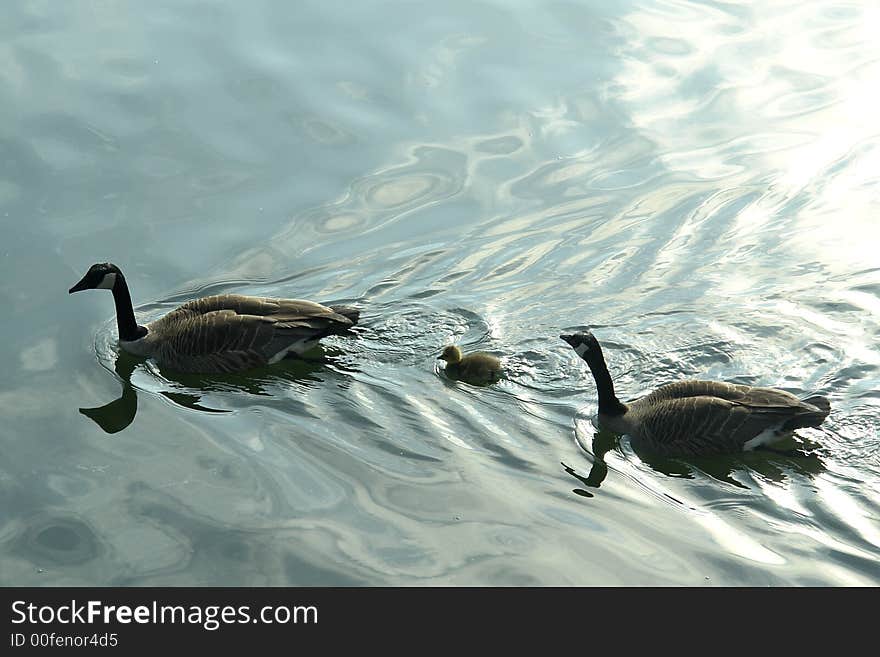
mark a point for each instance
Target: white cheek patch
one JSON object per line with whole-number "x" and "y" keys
{"x": 581, "y": 349}
{"x": 107, "y": 282}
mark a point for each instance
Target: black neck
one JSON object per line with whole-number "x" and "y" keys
{"x": 125, "y": 321}
{"x": 609, "y": 404}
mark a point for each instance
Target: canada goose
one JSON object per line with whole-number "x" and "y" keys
{"x": 698, "y": 417}
{"x": 477, "y": 368}
{"x": 222, "y": 333}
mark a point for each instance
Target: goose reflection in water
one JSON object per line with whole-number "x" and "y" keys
{"x": 603, "y": 442}
{"x": 116, "y": 415}
{"x": 772, "y": 464}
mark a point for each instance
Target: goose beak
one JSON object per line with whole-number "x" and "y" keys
{"x": 568, "y": 338}
{"x": 82, "y": 285}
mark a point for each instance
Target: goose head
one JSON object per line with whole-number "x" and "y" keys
{"x": 451, "y": 355}
{"x": 587, "y": 347}
{"x": 584, "y": 343}
{"x": 100, "y": 276}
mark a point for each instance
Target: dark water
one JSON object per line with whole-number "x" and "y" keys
{"x": 696, "y": 181}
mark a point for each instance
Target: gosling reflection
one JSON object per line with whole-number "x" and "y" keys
{"x": 305, "y": 371}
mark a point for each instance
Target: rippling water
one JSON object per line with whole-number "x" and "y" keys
{"x": 696, "y": 181}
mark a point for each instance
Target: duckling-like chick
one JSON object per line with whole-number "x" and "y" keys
{"x": 477, "y": 368}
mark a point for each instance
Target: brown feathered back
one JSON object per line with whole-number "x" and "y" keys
{"x": 704, "y": 417}
{"x": 230, "y": 332}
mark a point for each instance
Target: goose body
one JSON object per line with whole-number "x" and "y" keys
{"x": 478, "y": 368}
{"x": 221, "y": 333}
{"x": 699, "y": 417}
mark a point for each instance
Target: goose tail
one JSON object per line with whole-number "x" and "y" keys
{"x": 819, "y": 402}
{"x": 813, "y": 411}
{"x": 349, "y": 312}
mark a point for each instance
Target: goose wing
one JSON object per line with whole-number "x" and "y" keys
{"x": 702, "y": 424}
{"x": 742, "y": 394}
{"x": 226, "y": 340}
{"x": 696, "y": 388}
{"x": 256, "y": 306}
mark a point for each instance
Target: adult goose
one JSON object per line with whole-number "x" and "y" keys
{"x": 698, "y": 417}
{"x": 221, "y": 333}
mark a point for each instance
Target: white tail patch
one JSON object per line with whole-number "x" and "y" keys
{"x": 298, "y": 347}
{"x": 766, "y": 437}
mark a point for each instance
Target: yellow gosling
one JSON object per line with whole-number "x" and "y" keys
{"x": 477, "y": 368}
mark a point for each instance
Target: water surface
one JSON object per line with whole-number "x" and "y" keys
{"x": 696, "y": 181}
